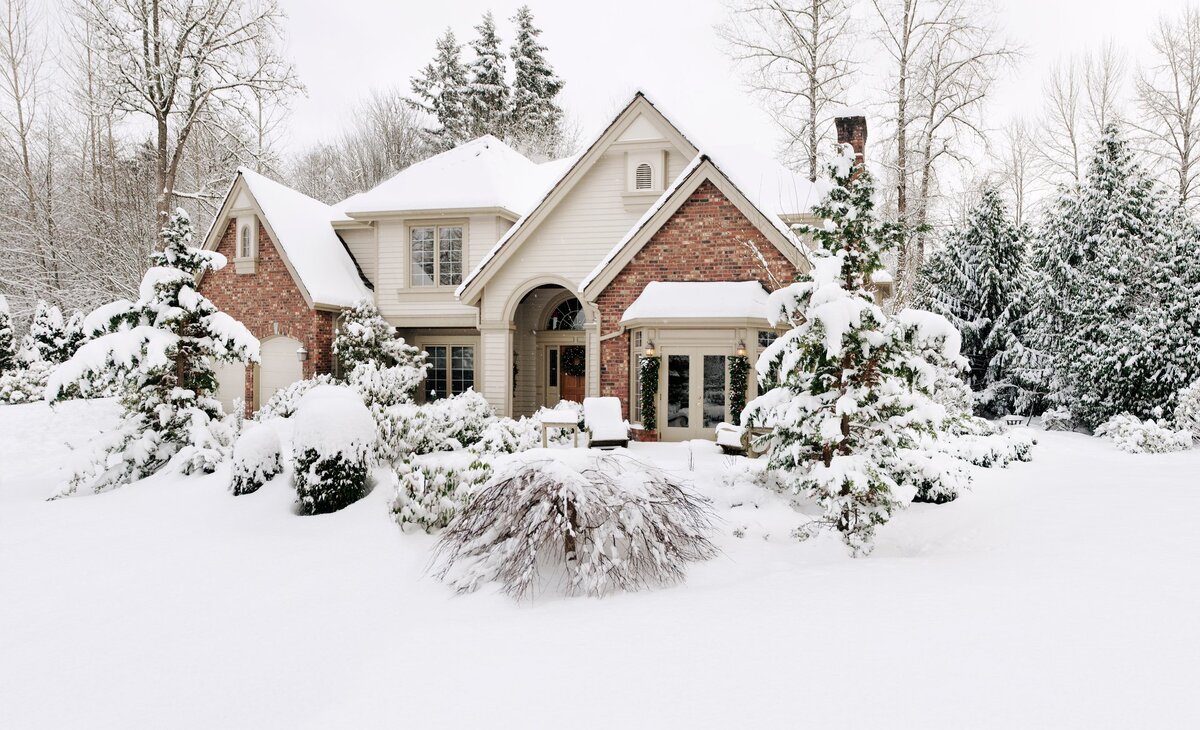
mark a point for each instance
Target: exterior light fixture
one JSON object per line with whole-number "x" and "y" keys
{"x": 650, "y": 348}
{"x": 302, "y": 353}
{"x": 741, "y": 349}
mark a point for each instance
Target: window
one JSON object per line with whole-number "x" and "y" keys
{"x": 244, "y": 242}
{"x": 552, "y": 367}
{"x": 766, "y": 337}
{"x": 451, "y": 370}
{"x": 566, "y": 316}
{"x": 643, "y": 177}
{"x": 435, "y": 253}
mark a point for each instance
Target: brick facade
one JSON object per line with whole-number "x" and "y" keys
{"x": 705, "y": 240}
{"x": 269, "y": 303}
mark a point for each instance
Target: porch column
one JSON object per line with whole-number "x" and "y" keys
{"x": 495, "y": 369}
{"x": 591, "y": 332}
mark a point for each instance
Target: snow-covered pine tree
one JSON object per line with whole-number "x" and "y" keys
{"x": 8, "y": 343}
{"x": 73, "y": 336}
{"x": 160, "y": 348}
{"x": 487, "y": 90}
{"x": 440, "y": 90}
{"x": 365, "y": 336}
{"x": 846, "y": 391}
{"x": 972, "y": 280}
{"x": 47, "y": 333}
{"x": 535, "y": 118}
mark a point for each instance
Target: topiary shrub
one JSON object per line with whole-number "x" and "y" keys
{"x": 256, "y": 458}
{"x": 333, "y": 442}
{"x": 604, "y": 522}
{"x": 430, "y": 496}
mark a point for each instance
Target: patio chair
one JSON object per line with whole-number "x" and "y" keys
{"x": 602, "y": 419}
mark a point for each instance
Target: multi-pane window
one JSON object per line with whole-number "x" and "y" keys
{"x": 766, "y": 337}
{"x": 566, "y": 316}
{"x": 436, "y": 255}
{"x": 451, "y": 370}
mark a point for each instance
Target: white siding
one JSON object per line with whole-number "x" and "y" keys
{"x": 361, "y": 242}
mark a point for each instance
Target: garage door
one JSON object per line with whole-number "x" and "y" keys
{"x": 279, "y": 367}
{"x": 231, "y": 383}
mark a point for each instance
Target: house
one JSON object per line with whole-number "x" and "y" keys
{"x": 530, "y": 282}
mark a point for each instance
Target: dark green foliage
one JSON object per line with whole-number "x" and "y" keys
{"x": 487, "y": 91}
{"x": 440, "y": 90}
{"x": 648, "y": 368}
{"x": 739, "y": 368}
{"x": 328, "y": 483}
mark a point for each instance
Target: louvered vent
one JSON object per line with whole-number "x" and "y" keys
{"x": 643, "y": 177}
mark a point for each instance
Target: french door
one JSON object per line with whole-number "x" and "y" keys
{"x": 693, "y": 394}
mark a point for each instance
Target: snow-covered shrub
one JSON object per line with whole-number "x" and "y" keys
{"x": 256, "y": 458}
{"x": 990, "y": 449}
{"x": 609, "y": 521}
{"x": 430, "y": 496}
{"x": 8, "y": 342}
{"x": 1136, "y": 436}
{"x": 160, "y": 349}
{"x": 383, "y": 385}
{"x": 461, "y": 418}
{"x": 366, "y": 337}
{"x": 446, "y": 424}
{"x": 1187, "y": 409}
{"x": 1058, "y": 419}
{"x": 25, "y": 385}
{"x": 285, "y": 400}
{"x": 333, "y": 441}
{"x": 508, "y": 436}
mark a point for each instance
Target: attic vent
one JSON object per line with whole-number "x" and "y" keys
{"x": 643, "y": 177}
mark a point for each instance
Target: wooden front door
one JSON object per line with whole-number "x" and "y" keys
{"x": 574, "y": 364}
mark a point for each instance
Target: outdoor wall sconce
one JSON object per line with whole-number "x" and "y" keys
{"x": 741, "y": 349}
{"x": 302, "y": 353}
{"x": 650, "y": 348}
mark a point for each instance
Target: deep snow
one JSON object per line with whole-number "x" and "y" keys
{"x": 1057, "y": 594}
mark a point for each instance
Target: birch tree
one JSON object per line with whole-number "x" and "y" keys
{"x": 797, "y": 56}
{"x": 176, "y": 62}
{"x": 1169, "y": 96}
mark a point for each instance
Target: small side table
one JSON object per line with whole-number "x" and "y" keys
{"x": 567, "y": 420}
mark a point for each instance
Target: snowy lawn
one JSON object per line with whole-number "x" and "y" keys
{"x": 1061, "y": 593}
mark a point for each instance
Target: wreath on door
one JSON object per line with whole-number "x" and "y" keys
{"x": 574, "y": 361}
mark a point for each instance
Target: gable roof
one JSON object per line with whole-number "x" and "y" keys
{"x": 483, "y": 173}
{"x": 303, "y": 232}
{"x": 575, "y": 168}
{"x": 764, "y": 185}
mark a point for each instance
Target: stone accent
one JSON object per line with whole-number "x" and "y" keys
{"x": 705, "y": 240}
{"x": 269, "y": 303}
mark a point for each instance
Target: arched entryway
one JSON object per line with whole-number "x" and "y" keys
{"x": 549, "y": 349}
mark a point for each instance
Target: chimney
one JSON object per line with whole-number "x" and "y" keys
{"x": 852, "y": 130}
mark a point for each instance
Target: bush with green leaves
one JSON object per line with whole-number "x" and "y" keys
{"x": 1187, "y": 409}
{"x": 508, "y": 436}
{"x": 24, "y": 385}
{"x": 364, "y": 336}
{"x": 256, "y": 458}
{"x": 430, "y": 496}
{"x": 1136, "y": 436}
{"x": 333, "y": 443}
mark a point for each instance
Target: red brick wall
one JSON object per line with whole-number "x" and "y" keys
{"x": 269, "y": 303}
{"x": 705, "y": 240}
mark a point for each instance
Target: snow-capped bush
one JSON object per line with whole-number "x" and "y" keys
{"x": 609, "y": 521}
{"x": 1136, "y": 436}
{"x": 385, "y": 385}
{"x": 256, "y": 458}
{"x": 25, "y": 385}
{"x": 446, "y": 424}
{"x": 430, "y": 496}
{"x": 1187, "y": 409}
{"x": 285, "y": 400}
{"x": 508, "y": 436}
{"x": 366, "y": 337}
{"x": 8, "y": 342}
{"x": 990, "y": 449}
{"x": 1058, "y": 419}
{"x": 332, "y": 446}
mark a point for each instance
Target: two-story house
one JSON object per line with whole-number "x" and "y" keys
{"x": 530, "y": 282}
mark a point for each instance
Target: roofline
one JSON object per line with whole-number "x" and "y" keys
{"x": 471, "y": 289}
{"x": 702, "y": 168}
{"x": 367, "y": 215}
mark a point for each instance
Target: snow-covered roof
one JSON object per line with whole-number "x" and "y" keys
{"x": 303, "y": 229}
{"x": 482, "y": 173}
{"x": 699, "y": 300}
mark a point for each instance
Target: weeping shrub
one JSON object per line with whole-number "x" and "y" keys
{"x": 607, "y": 522}
{"x": 256, "y": 458}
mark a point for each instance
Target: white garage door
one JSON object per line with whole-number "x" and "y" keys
{"x": 231, "y": 383}
{"x": 279, "y": 367}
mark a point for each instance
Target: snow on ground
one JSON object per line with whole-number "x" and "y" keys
{"x": 1057, "y": 594}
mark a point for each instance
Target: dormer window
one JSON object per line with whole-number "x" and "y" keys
{"x": 245, "y": 250}
{"x": 645, "y": 171}
{"x": 643, "y": 177}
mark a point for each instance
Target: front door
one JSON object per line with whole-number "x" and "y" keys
{"x": 565, "y": 369}
{"x": 694, "y": 394}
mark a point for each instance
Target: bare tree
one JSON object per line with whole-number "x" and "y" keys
{"x": 1104, "y": 81}
{"x": 1016, "y": 164}
{"x": 797, "y": 55}
{"x": 945, "y": 56}
{"x": 1169, "y": 95}
{"x": 1082, "y": 96}
{"x": 177, "y": 61}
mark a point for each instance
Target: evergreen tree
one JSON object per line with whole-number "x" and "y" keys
{"x": 441, "y": 91}
{"x": 47, "y": 336}
{"x": 535, "y": 118}
{"x": 366, "y": 337}
{"x": 487, "y": 93}
{"x": 8, "y": 344}
{"x": 847, "y": 391}
{"x": 973, "y": 281}
{"x": 161, "y": 349}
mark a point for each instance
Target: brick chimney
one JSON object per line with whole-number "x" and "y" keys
{"x": 852, "y": 130}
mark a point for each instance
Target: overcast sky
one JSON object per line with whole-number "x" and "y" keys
{"x": 668, "y": 48}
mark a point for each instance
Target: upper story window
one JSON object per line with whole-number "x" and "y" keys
{"x": 436, "y": 255}
{"x": 566, "y": 316}
{"x": 643, "y": 177}
{"x": 246, "y": 248}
